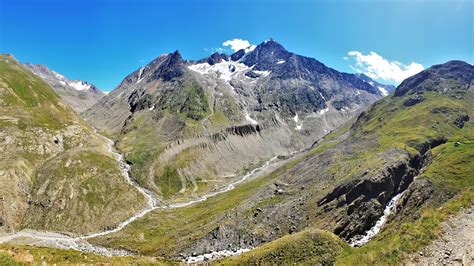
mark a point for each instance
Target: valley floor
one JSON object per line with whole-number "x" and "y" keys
{"x": 455, "y": 246}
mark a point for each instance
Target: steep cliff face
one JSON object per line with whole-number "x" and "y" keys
{"x": 189, "y": 127}
{"x": 56, "y": 173}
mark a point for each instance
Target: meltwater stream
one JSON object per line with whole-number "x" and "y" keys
{"x": 64, "y": 241}
{"x": 359, "y": 241}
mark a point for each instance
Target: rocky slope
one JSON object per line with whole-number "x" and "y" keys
{"x": 384, "y": 89}
{"x": 190, "y": 127}
{"x": 455, "y": 245}
{"x": 56, "y": 173}
{"x": 78, "y": 94}
{"x": 415, "y": 145}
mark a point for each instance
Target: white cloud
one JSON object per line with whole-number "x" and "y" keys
{"x": 218, "y": 49}
{"x": 237, "y": 44}
{"x": 377, "y": 67}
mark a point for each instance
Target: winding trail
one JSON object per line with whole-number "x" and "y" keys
{"x": 65, "y": 241}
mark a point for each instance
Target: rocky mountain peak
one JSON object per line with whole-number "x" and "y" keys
{"x": 266, "y": 55}
{"x": 439, "y": 78}
{"x": 166, "y": 67}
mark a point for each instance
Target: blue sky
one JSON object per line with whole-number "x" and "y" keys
{"x": 102, "y": 41}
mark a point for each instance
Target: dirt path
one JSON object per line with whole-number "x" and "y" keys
{"x": 455, "y": 246}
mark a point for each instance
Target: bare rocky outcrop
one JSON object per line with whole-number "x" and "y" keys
{"x": 365, "y": 199}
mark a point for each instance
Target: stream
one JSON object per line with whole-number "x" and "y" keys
{"x": 64, "y": 241}
{"x": 361, "y": 240}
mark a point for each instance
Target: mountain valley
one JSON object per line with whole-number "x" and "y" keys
{"x": 261, "y": 156}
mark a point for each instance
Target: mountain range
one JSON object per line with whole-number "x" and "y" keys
{"x": 261, "y": 156}
{"x": 190, "y": 127}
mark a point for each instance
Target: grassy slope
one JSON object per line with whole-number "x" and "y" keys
{"x": 396, "y": 126}
{"x": 27, "y": 255}
{"x": 184, "y": 112}
{"x": 450, "y": 171}
{"x": 22, "y": 91}
{"x": 310, "y": 246}
{"x": 32, "y": 115}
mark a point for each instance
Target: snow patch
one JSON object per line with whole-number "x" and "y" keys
{"x": 140, "y": 73}
{"x": 262, "y": 73}
{"x": 323, "y": 111}
{"x": 295, "y": 118}
{"x": 215, "y": 255}
{"x": 250, "y": 120}
{"x": 323, "y": 97}
{"x": 222, "y": 69}
{"x": 58, "y": 76}
{"x": 79, "y": 85}
{"x": 299, "y": 126}
{"x": 383, "y": 90}
{"x": 281, "y": 62}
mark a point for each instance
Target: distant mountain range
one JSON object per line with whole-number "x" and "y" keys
{"x": 80, "y": 95}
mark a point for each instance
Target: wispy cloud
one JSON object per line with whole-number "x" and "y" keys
{"x": 377, "y": 67}
{"x": 218, "y": 49}
{"x": 237, "y": 44}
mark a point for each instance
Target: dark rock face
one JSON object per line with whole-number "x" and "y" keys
{"x": 444, "y": 78}
{"x": 417, "y": 193}
{"x": 266, "y": 55}
{"x": 140, "y": 102}
{"x": 216, "y": 58}
{"x": 171, "y": 67}
{"x": 413, "y": 100}
{"x": 460, "y": 120}
{"x": 364, "y": 199}
{"x": 364, "y": 210}
{"x": 237, "y": 55}
{"x": 252, "y": 74}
